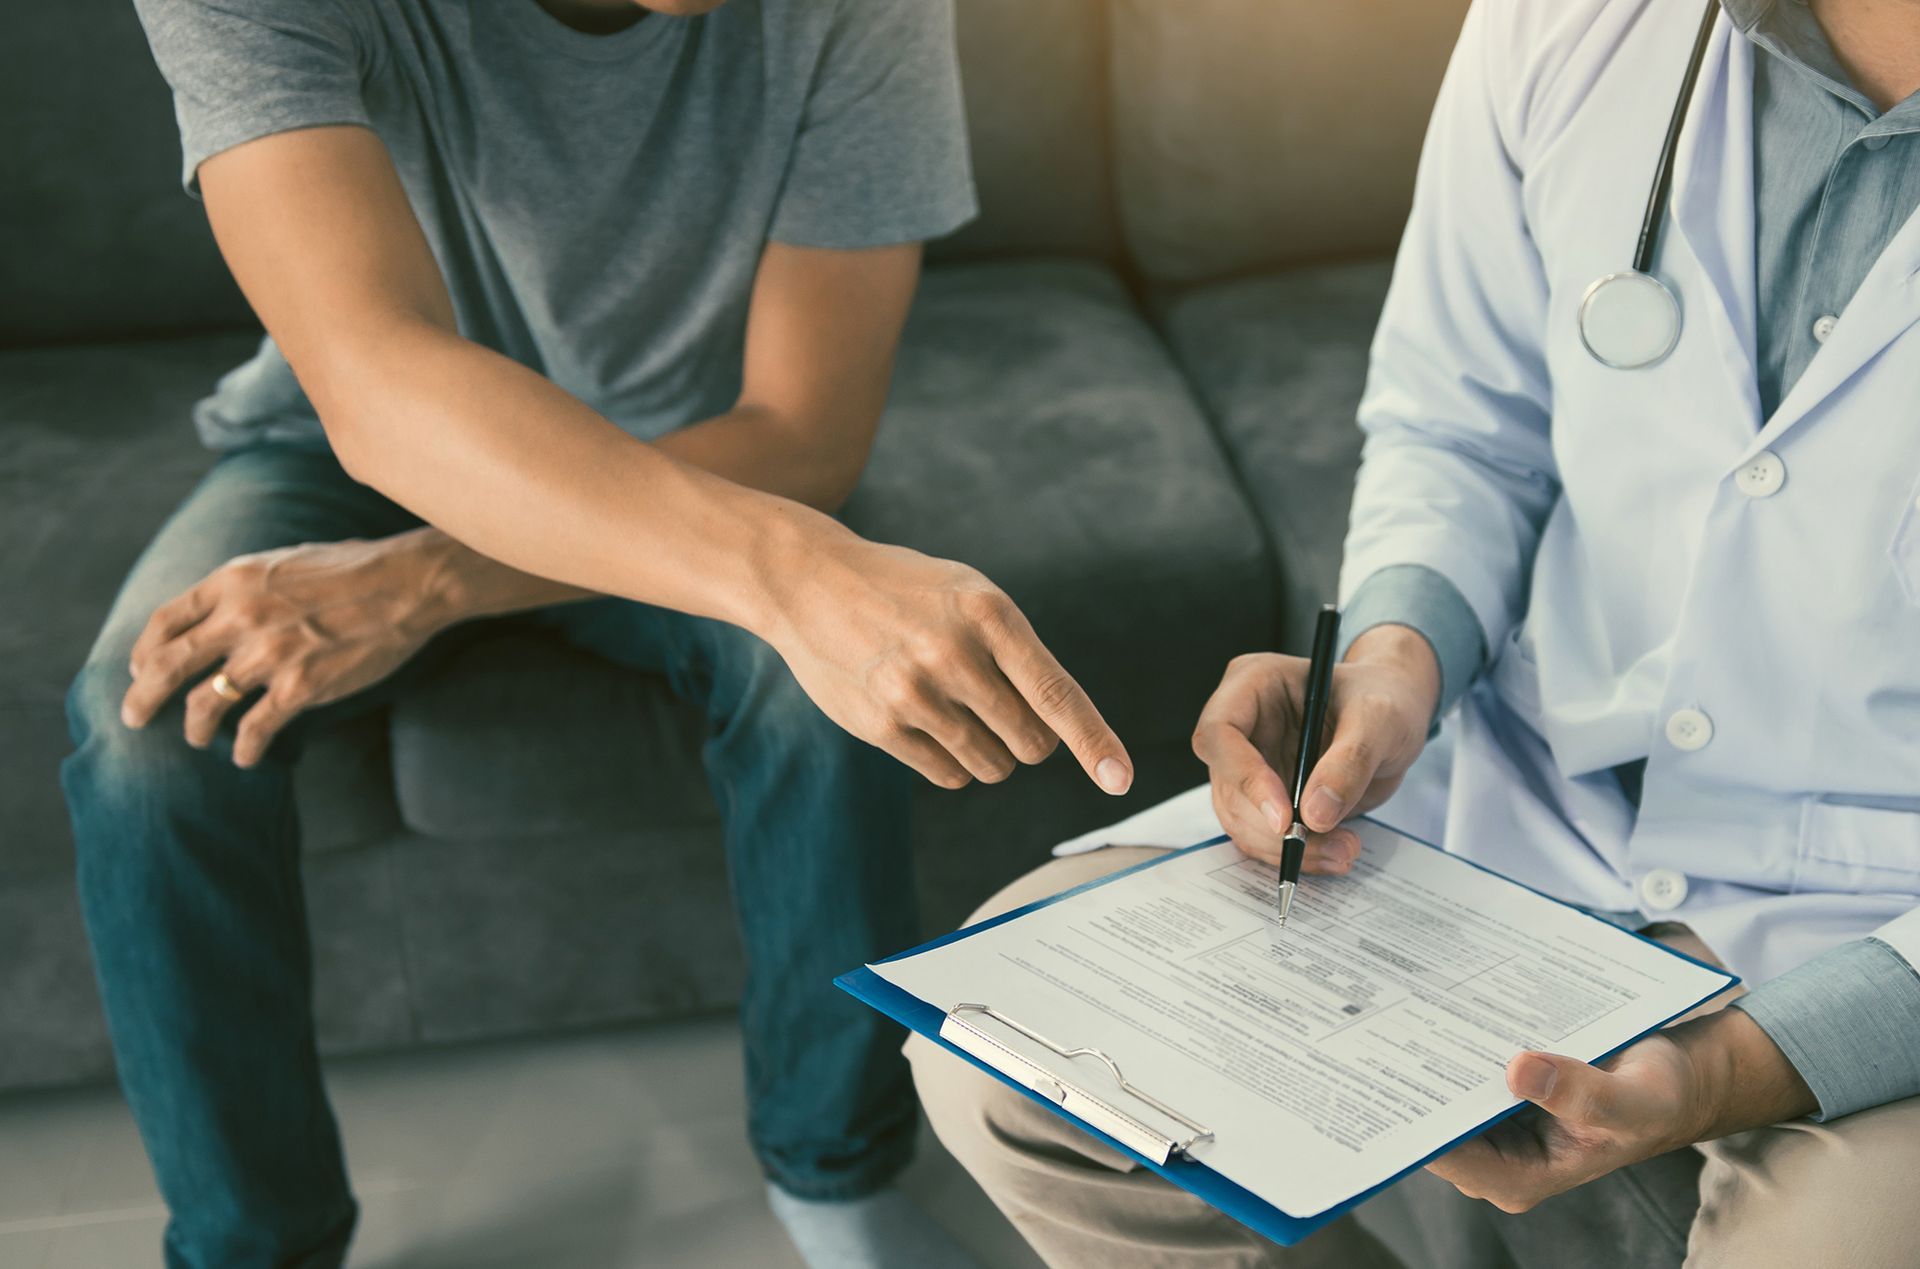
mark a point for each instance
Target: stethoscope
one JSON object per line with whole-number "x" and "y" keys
{"x": 1630, "y": 319}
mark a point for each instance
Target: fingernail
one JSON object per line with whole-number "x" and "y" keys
{"x": 1275, "y": 821}
{"x": 1113, "y": 775}
{"x": 1533, "y": 1079}
{"x": 1322, "y": 808}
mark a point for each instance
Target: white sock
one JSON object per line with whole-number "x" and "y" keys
{"x": 880, "y": 1231}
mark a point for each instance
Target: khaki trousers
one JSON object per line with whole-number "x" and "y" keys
{"x": 1798, "y": 1194}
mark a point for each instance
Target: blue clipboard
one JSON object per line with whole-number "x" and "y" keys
{"x": 1196, "y": 1178}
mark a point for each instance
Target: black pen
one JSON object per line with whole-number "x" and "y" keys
{"x": 1293, "y": 849}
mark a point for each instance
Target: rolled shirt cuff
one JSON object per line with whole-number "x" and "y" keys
{"x": 1416, "y": 596}
{"x": 1849, "y": 1021}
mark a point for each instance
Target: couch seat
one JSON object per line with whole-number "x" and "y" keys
{"x": 1280, "y": 360}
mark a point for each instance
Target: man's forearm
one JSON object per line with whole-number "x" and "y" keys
{"x": 746, "y": 446}
{"x": 757, "y": 448}
{"x": 457, "y": 583}
{"x": 520, "y": 472}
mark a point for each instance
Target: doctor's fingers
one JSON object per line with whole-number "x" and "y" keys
{"x": 1245, "y": 788}
{"x": 1254, "y": 806}
{"x": 1363, "y": 763}
{"x": 1480, "y": 1170}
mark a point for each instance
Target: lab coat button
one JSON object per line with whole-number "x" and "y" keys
{"x": 1689, "y": 729}
{"x": 1823, "y": 327}
{"x": 1663, "y": 890}
{"x": 1762, "y": 475}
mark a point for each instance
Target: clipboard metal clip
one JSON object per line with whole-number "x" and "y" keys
{"x": 1076, "y": 1100}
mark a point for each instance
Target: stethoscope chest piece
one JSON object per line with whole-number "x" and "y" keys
{"x": 1629, "y": 320}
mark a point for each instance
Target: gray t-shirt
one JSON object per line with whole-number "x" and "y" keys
{"x": 597, "y": 203}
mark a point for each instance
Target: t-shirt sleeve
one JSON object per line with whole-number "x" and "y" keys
{"x": 241, "y": 69}
{"x": 881, "y": 155}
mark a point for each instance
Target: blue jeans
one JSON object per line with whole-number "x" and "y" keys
{"x": 190, "y": 884}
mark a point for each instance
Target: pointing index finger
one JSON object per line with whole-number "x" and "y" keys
{"x": 1064, "y": 707}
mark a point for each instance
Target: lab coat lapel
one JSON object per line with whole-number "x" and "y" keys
{"x": 1887, "y": 303}
{"x": 1713, "y": 212}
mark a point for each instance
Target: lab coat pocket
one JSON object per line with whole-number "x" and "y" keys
{"x": 1853, "y": 849}
{"x": 1905, "y": 549}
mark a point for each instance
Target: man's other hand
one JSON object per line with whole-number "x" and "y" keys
{"x": 1383, "y": 699}
{"x": 290, "y": 628}
{"x": 930, "y": 661}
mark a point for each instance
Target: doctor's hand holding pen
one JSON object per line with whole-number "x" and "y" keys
{"x": 1383, "y": 698}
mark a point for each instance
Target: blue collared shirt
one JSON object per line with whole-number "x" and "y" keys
{"x": 1834, "y": 181}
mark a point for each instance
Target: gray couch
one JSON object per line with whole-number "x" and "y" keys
{"x": 1126, "y": 393}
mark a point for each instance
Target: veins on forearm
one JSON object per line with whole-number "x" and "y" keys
{"x": 458, "y": 583}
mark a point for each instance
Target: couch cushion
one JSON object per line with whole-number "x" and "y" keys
{"x": 95, "y": 450}
{"x": 1252, "y": 133}
{"x": 1280, "y": 361}
{"x": 1038, "y": 430}
{"x": 517, "y": 735}
{"x": 99, "y": 240}
{"x": 1035, "y": 80}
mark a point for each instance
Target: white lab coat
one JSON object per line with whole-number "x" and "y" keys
{"x": 1659, "y": 571}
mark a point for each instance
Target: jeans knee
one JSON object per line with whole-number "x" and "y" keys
{"x": 754, "y": 690}
{"x": 93, "y": 702}
{"x": 106, "y": 752}
{"x": 118, "y": 777}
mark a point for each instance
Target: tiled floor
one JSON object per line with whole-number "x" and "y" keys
{"x": 614, "y": 1149}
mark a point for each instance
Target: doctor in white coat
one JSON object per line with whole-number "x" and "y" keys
{"x": 1639, "y": 516}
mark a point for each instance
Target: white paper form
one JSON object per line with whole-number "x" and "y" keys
{"x": 1328, "y": 1056}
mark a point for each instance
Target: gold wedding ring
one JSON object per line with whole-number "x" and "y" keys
{"x": 223, "y": 688}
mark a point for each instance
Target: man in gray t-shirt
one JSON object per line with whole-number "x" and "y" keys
{"x": 596, "y": 204}
{"x": 584, "y": 311}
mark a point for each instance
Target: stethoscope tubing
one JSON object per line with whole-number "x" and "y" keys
{"x": 1663, "y": 173}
